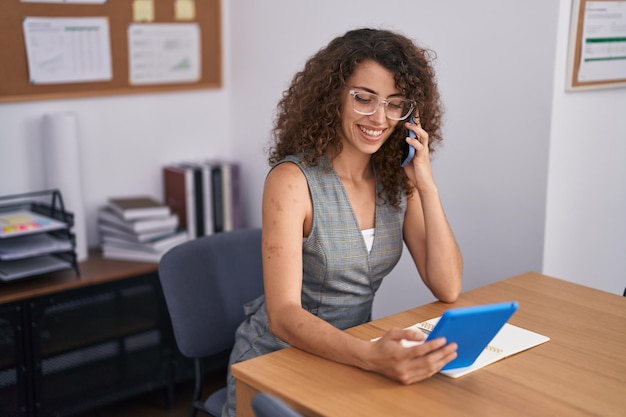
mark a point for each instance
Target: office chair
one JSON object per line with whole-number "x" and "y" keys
{"x": 266, "y": 405}
{"x": 206, "y": 282}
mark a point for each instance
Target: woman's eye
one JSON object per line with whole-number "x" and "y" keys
{"x": 363, "y": 98}
{"x": 396, "y": 104}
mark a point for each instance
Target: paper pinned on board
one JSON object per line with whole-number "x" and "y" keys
{"x": 164, "y": 53}
{"x": 143, "y": 10}
{"x": 185, "y": 10}
{"x": 67, "y": 50}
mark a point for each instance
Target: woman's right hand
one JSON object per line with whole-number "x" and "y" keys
{"x": 402, "y": 355}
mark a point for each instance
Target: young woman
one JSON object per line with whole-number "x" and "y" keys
{"x": 337, "y": 207}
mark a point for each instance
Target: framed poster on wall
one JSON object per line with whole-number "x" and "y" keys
{"x": 597, "y": 45}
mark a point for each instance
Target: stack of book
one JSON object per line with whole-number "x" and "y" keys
{"x": 205, "y": 195}
{"x": 138, "y": 229}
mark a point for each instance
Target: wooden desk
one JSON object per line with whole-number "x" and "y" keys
{"x": 580, "y": 372}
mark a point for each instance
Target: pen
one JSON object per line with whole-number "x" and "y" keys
{"x": 424, "y": 330}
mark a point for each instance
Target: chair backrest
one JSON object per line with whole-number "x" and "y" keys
{"x": 266, "y": 405}
{"x": 206, "y": 282}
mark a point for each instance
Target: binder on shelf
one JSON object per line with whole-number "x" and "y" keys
{"x": 178, "y": 188}
{"x": 35, "y": 235}
{"x": 237, "y": 207}
{"x": 227, "y": 210}
{"x": 218, "y": 198}
{"x": 197, "y": 172}
{"x": 208, "y": 192}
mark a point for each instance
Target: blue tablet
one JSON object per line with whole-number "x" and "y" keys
{"x": 472, "y": 328}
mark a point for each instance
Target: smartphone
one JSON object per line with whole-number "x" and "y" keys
{"x": 408, "y": 152}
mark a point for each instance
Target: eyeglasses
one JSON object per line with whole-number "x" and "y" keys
{"x": 396, "y": 108}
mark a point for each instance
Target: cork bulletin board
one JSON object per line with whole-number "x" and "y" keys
{"x": 119, "y": 16}
{"x": 597, "y": 45}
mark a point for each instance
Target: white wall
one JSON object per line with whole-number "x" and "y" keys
{"x": 500, "y": 67}
{"x": 124, "y": 140}
{"x": 585, "y": 238}
{"x": 496, "y": 79}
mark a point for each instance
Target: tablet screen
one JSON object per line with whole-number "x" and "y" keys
{"x": 472, "y": 328}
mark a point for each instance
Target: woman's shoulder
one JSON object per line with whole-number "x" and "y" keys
{"x": 297, "y": 160}
{"x": 286, "y": 172}
{"x": 296, "y": 167}
{"x": 287, "y": 191}
{"x": 286, "y": 168}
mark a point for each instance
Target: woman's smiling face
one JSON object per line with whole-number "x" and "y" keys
{"x": 368, "y": 133}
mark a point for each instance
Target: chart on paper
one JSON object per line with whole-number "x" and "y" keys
{"x": 67, "y": 50}
{"x": 603, "y": 55}
{"x": 164, "y": 53}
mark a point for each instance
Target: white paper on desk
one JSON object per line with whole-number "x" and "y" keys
{"x": 67, "y": 50}
{"x": 507, "y": 342}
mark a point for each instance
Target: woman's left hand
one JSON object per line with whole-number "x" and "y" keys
{"x": 419, "y": 170}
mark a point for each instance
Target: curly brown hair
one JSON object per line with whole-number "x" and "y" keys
{"x": 308, "y": 119}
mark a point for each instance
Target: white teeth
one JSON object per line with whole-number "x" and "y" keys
{"x": 371, "y": 132}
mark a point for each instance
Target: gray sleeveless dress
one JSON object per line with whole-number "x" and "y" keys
{"x": 340, "y": 276}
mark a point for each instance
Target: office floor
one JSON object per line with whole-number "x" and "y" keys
{"x": 154, "y": 404}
